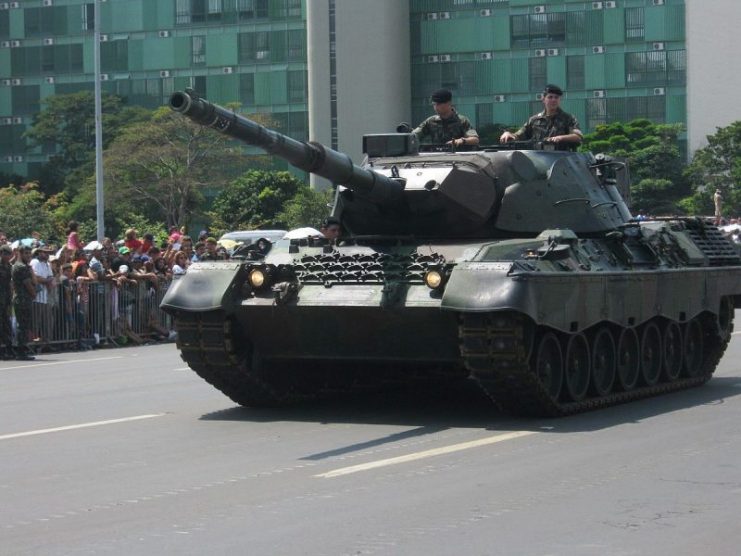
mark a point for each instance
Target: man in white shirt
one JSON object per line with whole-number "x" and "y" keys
{"x": 44, "y": 280}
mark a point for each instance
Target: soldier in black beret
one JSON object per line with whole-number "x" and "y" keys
{"x": 552, "y": 125}
{"x": 446, "y": 126}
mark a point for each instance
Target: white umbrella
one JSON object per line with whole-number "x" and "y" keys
{"x": 300, "y": 233}
{"x": 93, "y": 245}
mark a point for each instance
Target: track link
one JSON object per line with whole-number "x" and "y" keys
{"x": 496, "y": 348}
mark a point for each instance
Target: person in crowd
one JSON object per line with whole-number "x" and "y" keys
{"x": 718, "y": 202}
{"x": 180, "y": 265}
{"x": 446, "y": 126}
{"x": 198, "y": 251}
{"x": 147, "y": 243}
{"x": 330, "y": 228}
{"x": 24, "y": 290}
{"x": 3, "y": 238}
{"x": 73, "y": 239}
{"x": 186, "y": 245}
{"x": 44, "y": 278}
{"x": 6, "y": 302}
{"x": 552, "y": 125}
{"x": 123, "y": 257}
{"x": 132, "y": 242}
{"x": 174, "y": 235}
{"x": 161, "y": 269}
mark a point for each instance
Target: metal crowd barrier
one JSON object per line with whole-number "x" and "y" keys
{"x": 80, "y": 314}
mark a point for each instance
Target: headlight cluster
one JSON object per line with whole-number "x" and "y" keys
{"x": 435, "y": 277}
{"x": 260, "y": 276}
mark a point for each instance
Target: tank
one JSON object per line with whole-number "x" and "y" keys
{"x": 519, "y": 268}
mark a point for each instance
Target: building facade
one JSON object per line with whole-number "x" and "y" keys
{"x": 330, "y": 70}
{"x": 248, "y": 51}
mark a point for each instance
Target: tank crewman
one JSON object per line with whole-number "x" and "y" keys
{"x": 552, "y": 125}
{"x": 330, "y": 229}
{"x": 6, "y": 302}
{"x": 446, "y": 126}
{"x": 24, "y": 291}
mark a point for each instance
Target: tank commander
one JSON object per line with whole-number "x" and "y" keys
{"x": 446, "y": 126}
{"x": 552, "y": 125}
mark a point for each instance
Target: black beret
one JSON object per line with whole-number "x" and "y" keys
{"x": 553, "y": 89}
{"x": 441, "y": 95}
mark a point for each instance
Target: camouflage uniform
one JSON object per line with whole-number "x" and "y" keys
{"x": 540, "y": 126}
{"x": 6, "y": 303}
{"x": 441, "y": 131}
{"x": 22, "y": 303}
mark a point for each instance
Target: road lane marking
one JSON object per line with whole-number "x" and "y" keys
{"x": 425, "y": 454}
{"x": 60, "y": 362}
{"x": 735, "y": 333}
{"x": 81, "y": 426}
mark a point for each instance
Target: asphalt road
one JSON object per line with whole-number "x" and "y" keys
{"x": 128, "y": 452}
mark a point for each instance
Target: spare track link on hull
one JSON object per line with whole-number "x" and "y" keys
{"x": 496, "y": 349}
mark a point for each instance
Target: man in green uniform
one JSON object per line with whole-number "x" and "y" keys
{"x": 446, "y": 126}
{"x": 552, "y": 125}
{"x": 6, "y": 303}
{"x": 24, "y": 291}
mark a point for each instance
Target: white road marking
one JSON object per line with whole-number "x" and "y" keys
{"x": 32, "y": 364}
{"x": 81, "y": 426}
{"x": 735, "y": 333}
{"x": 182, "y": 369}
{"x": 425, "y": 454}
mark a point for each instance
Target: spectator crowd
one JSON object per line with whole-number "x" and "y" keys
{"x": 78, "y": 293}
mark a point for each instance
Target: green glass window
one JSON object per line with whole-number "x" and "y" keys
{"x": 247, "y": 89}
{"x": 198, "y": 50}
{"x": 25, "y": 99}
{"x": 5, "y": 24}
{"x": 296, "y": 86}
{"x": 535, "y": 30}
{"x": 537, "y": 75}
{"x": 114, "y": 56}
{"x": 635, "y": 26}
{"x": 574, "y": 72}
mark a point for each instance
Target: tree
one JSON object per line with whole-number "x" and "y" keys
{"x": 718, "y": 166}
{"x": 25, "y": 211}
{"x": 307, "y": 208}
{"x": 254, "y": 200}
{"x": 68, "y": 121}
{"x": 159, "y": 168}
{"x": 653, "y": 154}
{"x": 489, "y": 133}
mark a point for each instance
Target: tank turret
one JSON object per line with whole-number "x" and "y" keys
{"x": 400, "y": 191}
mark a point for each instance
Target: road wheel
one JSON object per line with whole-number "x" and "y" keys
{"x": 604, "y": 362}
{"x": 672, "y": 342}
{"x": 651, "y": 353}
{"x": 577, "y": 367}
{"x": 548, "y": 364}
{"x": 693, "y": 346}
{"x": 628, "y": 359}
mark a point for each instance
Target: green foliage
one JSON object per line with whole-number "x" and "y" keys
{"x": 24, "y": 210}
{"x": 718, "y": 166}
{"x": 653, "y": 154}
{"x": 69, "y": 122}
{"x": 254, "y": 200}
{"x": 307, "y": 208}
{"x": 159, "y": 168}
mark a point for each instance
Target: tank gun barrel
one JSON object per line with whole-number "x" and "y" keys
{"x": 308, "y": 156}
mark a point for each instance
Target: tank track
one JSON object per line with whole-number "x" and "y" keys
{"x": 496, "y": 348}
{"x": 215, "y": 347}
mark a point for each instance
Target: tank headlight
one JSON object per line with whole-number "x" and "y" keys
{"x": 258, "y": 278}
{"x": 434, "y": 278}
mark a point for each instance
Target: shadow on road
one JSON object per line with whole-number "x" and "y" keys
{"x": 464, "y": 405}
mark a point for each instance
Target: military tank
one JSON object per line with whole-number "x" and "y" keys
{"x": 519, "y": 268}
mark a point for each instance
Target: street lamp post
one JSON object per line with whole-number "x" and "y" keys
{"x": 100, "y": 225}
